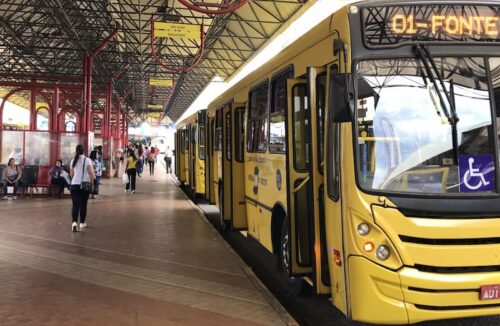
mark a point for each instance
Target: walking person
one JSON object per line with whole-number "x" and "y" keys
{"x": 96, "y": 164}
{"x": 10, "y": 178}
{"x": 116, "y": 162}
{"x": 131, "y": 171}
{"x": 168, "y": 160}
{"x": 151, "y": 161}
{"x": 82, "y": 178}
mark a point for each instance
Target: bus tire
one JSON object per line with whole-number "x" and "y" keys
{"x": 222, "y": 221}
{"x": 296, "y": 285}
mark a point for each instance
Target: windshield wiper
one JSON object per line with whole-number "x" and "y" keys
{"x": 425, "y": 56}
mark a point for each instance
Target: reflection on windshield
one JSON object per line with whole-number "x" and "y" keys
{"x": 405, "y": 138}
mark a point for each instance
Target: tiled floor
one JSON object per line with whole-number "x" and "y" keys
{"x": 148, "y": 258}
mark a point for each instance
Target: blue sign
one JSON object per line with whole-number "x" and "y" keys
{"x": 477, "y": 173}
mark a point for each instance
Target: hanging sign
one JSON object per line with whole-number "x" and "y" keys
{"x": 177, "y": 31}
{"x": 155, "y": 106}
{"x": 161, "y": 82}
{"x": 154, "y": 115}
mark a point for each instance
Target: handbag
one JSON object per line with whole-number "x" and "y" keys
{"x": 85, "y": 185}
{"x": 125, "y": 179}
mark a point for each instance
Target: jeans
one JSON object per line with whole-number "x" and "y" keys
{"x": 151, "y": 167}
{"x": 168, "y": 164}
{"x": 131, "y": 177}
{"x": 80, "y": 198}
{"x": 6, "y": 184}
{"x": 95, "y": 191}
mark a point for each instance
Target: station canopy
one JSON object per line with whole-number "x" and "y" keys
{"x": 47, "y": 39}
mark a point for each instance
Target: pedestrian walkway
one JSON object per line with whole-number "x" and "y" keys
{"x": 148, "y": 258}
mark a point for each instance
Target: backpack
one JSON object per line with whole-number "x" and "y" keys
{"x": 139, "y": 166}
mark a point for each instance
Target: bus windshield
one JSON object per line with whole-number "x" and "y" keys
{"x": 405, "y": 136}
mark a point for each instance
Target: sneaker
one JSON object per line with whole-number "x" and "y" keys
{"x": 14, "y": 197}
{"x": 133, "y": 191}
{"x": 96, "y": 196}
{"x": 74, "y": 227}
{"x": 5, "y": 197}
{"x": 83, "y": 225}
{"x": 126, "y": 190}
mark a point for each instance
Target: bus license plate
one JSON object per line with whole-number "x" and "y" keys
{"x": 490, "y": 292}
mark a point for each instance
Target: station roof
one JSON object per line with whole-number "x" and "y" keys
{"x": 47, "y": 38}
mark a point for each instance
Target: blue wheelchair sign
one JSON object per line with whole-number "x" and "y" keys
{"x": 477, "y": 173}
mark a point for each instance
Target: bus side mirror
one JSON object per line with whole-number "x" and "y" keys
{"x": 341, "y": 103}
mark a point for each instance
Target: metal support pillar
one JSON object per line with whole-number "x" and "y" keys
{"x": 32, "y": 108}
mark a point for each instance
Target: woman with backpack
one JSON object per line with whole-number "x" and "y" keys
{"x": 151, "y": 161}
{"x": 131, "y": 171}
{"x": 82, "y": 177}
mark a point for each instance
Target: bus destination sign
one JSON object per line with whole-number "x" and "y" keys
{"x": 399, "y": 25}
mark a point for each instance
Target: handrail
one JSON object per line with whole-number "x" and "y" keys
{"x": 173, "y": 69}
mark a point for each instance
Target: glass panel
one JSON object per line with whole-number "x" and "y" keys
{"x": 37, "y": 150}
{"x": 278, "y": 92}
{"x": 201, "y": 144}
{"x": 257, "y": 126}
{"x": 407, "y": 138}
{"x": 193, "y": 140}
{"x": 320, "y": 107}
{"x": 68, "y": 145}
{"x": 333, "y": 161}
{"x": 495, "y": 79}
{"x": 239, "y": 141}
{"x": 228, "y": 136}
{"x": 301, "y": 127}
{"x": 42, "y": 119}
{"x": 12, "y": 146}
{"x": 302, "y": 223}
{"x": 277, "y": 138}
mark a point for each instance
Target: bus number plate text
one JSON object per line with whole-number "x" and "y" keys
{"x": 490, "y": 292}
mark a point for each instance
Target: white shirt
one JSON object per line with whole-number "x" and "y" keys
{"x": 79, "y": 169}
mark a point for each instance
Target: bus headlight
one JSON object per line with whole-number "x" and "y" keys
{"x": 383, "y": 252}
{"x": 363, "y": 229}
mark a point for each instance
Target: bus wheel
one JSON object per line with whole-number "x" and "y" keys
{"x": 222, "y": 221}
{"x": 297, "y": 285}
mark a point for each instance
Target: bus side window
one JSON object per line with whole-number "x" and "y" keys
{"x": 257, "y": 118}
{"x": 277, "y": 135}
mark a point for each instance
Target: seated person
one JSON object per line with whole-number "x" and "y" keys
{"x": 56, "y": 174}
{"x": 10, "y": 178}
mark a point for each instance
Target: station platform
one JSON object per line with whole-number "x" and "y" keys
{"x": 149, "y": 258}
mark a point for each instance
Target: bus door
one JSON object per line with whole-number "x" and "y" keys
{"x": 316, "y": 88}
{"x": 227, "y": 182}
{"x": 333, "y": 198}
{"x": 209, "y": 160}
{"x": 239, "y": 214}
{"x": 299, "y": 183}
{"x": 176, "y": 149}
{"x": 192, "y": 157}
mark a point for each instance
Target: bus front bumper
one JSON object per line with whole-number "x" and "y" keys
{"x": 379, "y": 295}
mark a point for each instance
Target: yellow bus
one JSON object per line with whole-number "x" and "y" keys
{"x": 191, "y": 137}
{"x": 368, "y": 155}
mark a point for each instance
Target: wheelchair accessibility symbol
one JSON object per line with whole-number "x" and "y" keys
{"x": 476, "y": 173}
